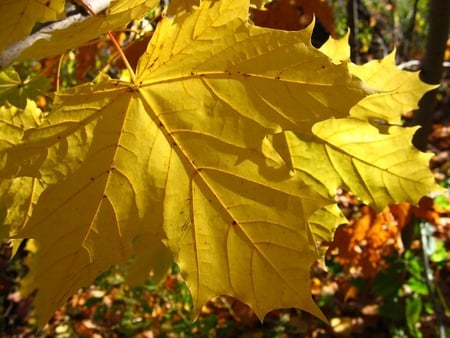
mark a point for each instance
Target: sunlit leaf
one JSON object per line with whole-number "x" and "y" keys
{"x": 323, "y": 223}
{"x": 225, "y": 148}
{"x": 337, "y": 49}
{"x": 352, "y": 153}
{"x": 400, "y": 91}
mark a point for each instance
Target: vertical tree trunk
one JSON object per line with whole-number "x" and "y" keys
{"x": 431, "y": 68}
{"x": 352, "y": 23}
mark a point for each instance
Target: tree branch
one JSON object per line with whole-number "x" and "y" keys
{"x": 12, "y": 52}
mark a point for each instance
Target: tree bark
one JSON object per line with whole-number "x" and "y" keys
{"x": 431, "y": 69}
{"x": 352, "y": 23}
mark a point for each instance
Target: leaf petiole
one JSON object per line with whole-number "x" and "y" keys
{"x": 114, "y": 42}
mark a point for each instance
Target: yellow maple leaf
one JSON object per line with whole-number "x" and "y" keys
{"x": 193, "y": 153}
{"x": 188, "y": 145}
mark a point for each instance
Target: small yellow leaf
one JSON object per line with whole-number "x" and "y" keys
{"x": 353, "y": 153}
{"x": 400, "y": 90}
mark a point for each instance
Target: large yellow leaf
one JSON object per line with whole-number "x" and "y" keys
{"x": 380, "y": 169}
{"x": 219, "y": 200}
{"x": 56, "y": 41}
{"x": 210, "y": 152}
{"x": 17, "y": 17}
{"x": 188, "y": 147}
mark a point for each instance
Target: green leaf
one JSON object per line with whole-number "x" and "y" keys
{"x": 15, "y": 91}
{"x": 413, "y": 311}
{"x": 418, "y": 285}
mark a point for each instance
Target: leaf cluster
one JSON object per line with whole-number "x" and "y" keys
{"x": 222, "y": 150}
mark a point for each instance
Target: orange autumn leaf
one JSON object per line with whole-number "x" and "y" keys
{"x": 363, "y": 244}
{"x": 426, "y": 211}
{"x": 85, "y": 60}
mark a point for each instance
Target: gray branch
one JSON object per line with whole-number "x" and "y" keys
{"x": 12, "y": 52}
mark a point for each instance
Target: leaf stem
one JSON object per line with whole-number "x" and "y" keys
{"x": 122, "y": 56}
{"x": 114, "y": 42}
{"x": 58, "y": 72}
